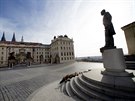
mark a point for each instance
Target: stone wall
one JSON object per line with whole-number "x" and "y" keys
{"x": 129, "y": 31}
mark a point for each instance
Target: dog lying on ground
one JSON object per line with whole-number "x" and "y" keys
{"x": 69, "y": 76}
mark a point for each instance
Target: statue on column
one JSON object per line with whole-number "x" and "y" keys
{"x": 109, "y": 30}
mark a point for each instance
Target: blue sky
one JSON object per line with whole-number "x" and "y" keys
{"x": 40, "y": 20}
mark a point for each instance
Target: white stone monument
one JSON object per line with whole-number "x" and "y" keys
{"x": 114, "y": 62}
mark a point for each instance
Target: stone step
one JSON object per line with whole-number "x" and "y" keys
{"x": 69, "y": 90}
{"x": 90, "y": 88}
{"x": 106, "y": 90}
{"x": 96, "y": 82}
{"x": 78, "y": 92}
{"x": 91, "y": 92}
{"x": 90, "y": 85}
{"x": 111, "y": 86}
{"x": 63, "y": 88}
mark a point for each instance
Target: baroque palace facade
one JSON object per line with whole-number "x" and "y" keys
{"x": 60, "y": 50}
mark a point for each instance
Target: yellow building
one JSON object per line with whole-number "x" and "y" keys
{"x": 40, "y": 53}
{"x": 129, "y": 31}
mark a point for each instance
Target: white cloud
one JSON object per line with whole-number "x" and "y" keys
{"x": 79, "y": 19}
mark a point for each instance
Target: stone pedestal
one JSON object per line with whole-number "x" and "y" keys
{"x": 114, "y": 62}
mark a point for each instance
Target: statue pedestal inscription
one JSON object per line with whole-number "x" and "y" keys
{"x": 114, "y": 63}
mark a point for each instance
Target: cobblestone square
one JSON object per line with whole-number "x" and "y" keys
{"x": 18, "y": 83}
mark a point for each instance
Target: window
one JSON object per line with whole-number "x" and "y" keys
{"x": 2, "y": 58}
{"x": 61, "y": 54}
{"x": 72, "y": 53}
{"x": 67, "y": 53}
{"x": 64, "y": 54}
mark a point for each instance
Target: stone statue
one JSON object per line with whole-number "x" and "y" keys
{"x": 109, "y": 30}
{"x": 28, "y": 58}
{"x": 11, "y": 60}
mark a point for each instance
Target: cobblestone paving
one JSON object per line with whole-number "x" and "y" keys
{"x": 19, "y": 91}
{"x": 13, "y": 89}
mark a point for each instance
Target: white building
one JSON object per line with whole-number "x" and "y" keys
{"x": 60, "y": 50}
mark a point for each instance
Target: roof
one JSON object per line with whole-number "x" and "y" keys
{"x": 128, "y": 25}
{"x": 3, "y": 37}
{"x": 24, "y": 43}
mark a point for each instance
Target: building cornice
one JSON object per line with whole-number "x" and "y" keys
{"x": 131, "y": 25}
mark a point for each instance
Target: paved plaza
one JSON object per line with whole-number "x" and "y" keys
{"x": 19, "y": 83}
